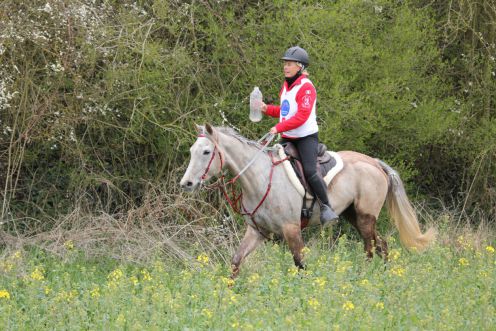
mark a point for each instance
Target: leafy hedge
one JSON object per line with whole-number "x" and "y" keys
{"x": 98, "y": 98}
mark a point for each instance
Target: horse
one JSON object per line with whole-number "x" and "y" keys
{"x": 272, "y": 204}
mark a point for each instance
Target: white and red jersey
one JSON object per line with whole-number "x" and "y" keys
{"x": 297, "y": 111}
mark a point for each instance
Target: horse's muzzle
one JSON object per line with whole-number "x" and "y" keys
{"x": 188, "y": 185}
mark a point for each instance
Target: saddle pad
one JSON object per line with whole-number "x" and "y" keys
{"x": 294, "y": 178}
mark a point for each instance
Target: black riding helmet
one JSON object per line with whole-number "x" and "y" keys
{"x": 298, "y": 54}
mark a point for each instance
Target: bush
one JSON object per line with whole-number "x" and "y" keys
{"x": 98, "y": 99}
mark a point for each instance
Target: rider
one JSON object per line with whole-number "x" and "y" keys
{"x": 298, "y": 124}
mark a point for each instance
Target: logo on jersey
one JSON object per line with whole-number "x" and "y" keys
{"x": 285, "y": 108}
{"x": 306, "y": 101}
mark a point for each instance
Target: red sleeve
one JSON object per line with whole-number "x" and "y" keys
{"x": 305, "y": 98}
{"x": 273, "y": 110}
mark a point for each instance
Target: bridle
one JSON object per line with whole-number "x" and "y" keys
{"x": 234, "y": 201}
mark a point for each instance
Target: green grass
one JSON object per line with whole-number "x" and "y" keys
{"x": 446, "y": 288}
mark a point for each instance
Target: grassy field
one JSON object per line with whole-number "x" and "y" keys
{"x": 446, "y": 288}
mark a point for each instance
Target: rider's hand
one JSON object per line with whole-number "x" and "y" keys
{"x": 273, "y": 130}
{"x": 264, "y": 108}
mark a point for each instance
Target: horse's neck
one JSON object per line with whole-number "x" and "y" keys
{"x": 238, "y": 155}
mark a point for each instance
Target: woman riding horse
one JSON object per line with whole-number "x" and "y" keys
{"x": 298, "y": 123}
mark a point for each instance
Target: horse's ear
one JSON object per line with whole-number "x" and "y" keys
{"x": 200, "y": 129}
{"x": 211, "y": 131}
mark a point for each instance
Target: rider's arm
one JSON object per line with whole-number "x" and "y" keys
{"x": 273, "y": 110}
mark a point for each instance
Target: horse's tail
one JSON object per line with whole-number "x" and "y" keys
{"x": 403, "y": 214}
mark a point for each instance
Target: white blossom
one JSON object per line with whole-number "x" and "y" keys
{"x": 72, "y": 135}
{"x": 47, "y": 8}
{"x": 56, "y": 67}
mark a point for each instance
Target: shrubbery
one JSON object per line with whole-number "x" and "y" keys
{"x": 98, "y": 98}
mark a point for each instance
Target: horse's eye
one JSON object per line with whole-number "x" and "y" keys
{"x": 206, "y": 152}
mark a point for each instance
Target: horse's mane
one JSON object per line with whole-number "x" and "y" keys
{"x": 235, "y": 134}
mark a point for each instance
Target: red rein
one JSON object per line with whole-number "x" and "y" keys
{"x": 235, "y": 201}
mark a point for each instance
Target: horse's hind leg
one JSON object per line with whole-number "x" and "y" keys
{"x": 365, "y": 224}
{"x": 250, "y": 241}
{"x": 292, "y": 234}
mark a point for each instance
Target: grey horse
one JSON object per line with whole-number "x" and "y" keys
{"x": 358, "y": 193}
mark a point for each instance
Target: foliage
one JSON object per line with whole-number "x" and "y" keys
{"x": 98, "y": 98}
{"x": 446, "y": 288}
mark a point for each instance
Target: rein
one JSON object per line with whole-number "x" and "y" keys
{"x": 235, "y": 201}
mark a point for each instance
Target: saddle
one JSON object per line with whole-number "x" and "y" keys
{"x": 325, "y": 162}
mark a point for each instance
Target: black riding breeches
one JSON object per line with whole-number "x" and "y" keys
{"x": 308, "y": 150}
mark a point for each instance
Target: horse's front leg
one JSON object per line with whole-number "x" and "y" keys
{"x": 250, "y": 241}
{"x": 292, "y": 234}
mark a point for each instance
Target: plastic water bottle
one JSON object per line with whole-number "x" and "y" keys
{"x": 256, "y": 105}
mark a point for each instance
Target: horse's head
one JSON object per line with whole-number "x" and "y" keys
{"x": 205, "y": 159}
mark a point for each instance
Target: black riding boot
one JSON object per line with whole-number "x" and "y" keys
{"x": 318, "y": 186}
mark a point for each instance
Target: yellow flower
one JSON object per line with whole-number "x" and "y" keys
{"x": 464, "y": 242}
{"x": 463, "y": 261}
{"x": 95, "y": 293}
{"x": 364, "y": 282}
{"x": 274, "y": 282}
{"x": 202, "y": 258}
{"x": 115, "y": 275}
{"x": 17, "y": 255}
{"x": 348, "y": 305}
{"x": 379, "y": 305}
{"x": 235, "y": 325}
{"x": 307, "y": 272}
{"x": 312, "y": 302}
{"x": 490, "y": 249}
{"x": 398, "y": 271}
{"x": 4, "y": 294}
{"x": 320, "y": 281}
{"x": 146, "y": 275}
{"x": 69, "y": 245}
{"x": 394, "y": 254}
{"x": 48, "y": 290}
{"x": 207, "y": 313}
{"x": 134, "y": 280}
{"x": 227, "y": 281}
{"x": 253, "y": 278}
{"x": 66, "y": 296}
{"x": 305, "y": 250}
{"x": 234, "y": 298}
{"x": 37, "y": 274}
{"x": 293, "y": 271}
